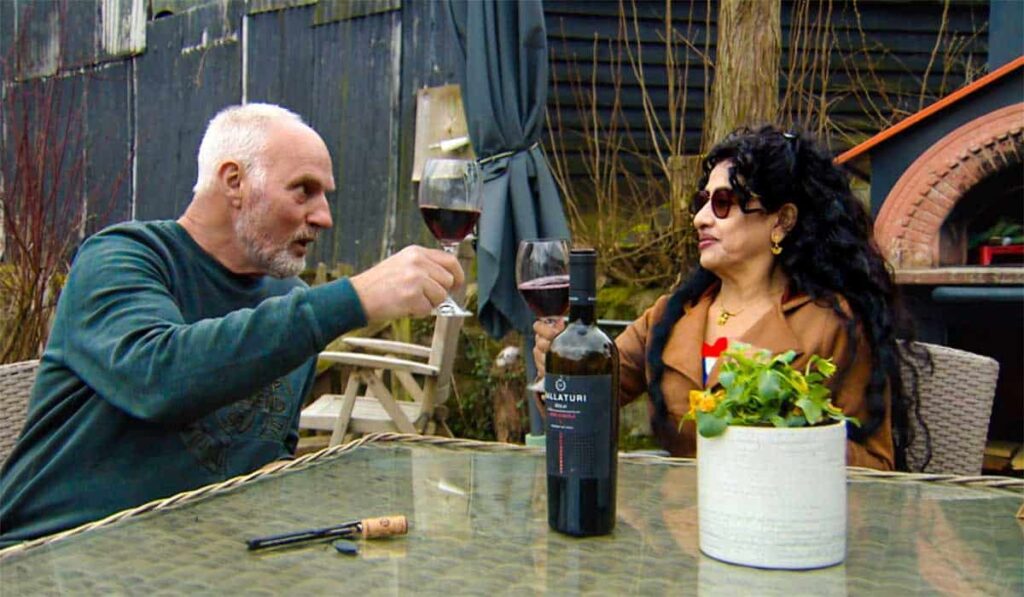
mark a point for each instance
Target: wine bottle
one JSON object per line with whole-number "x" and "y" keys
{"x": 582, "y": 426}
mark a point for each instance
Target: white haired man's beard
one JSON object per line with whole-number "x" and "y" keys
{"x": 275, "y": 259}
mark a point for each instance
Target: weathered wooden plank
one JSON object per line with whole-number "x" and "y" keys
{"x": 645, "y": 9}
{"x": 64, "y": 35}
{"x": 6, "y": 39}
{"x": 261, "y": 6}
{"x": 109, "y": 127}
{"x": 842, "y": 73}
{"x": 191, "y": 69}
{"x": 608, "y": 52}
{"x": 877, "y": 16}
{"x": 280, "y": 59}
{"x": 43, "y": 148}
{"x": 635, "y": 150}
{"x": 78, "y": 25}
{"x": 585, "y": 27}
{"x": 430, "y": 57}
{"x": 564, "y": 92}
{"x": 329, "y": 11}
{"x": 355, "y": 81}
{"x": 122, "y": 28}
{"x": 898, "y": 16}
{"x": 165, "y": 8}
{"x": 652, "y": 34}
{"x": 38, "y": 23}
{"x": 340, "y": 77}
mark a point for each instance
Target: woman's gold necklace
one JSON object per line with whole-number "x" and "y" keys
{"x": 724, "y": 315}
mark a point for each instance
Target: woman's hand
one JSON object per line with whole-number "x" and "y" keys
{"x": 545, "y": 331}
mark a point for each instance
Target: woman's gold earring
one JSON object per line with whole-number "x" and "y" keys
{"x": 776, "y": 247}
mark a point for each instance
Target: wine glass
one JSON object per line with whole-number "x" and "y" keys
{"x": 542, "y": 277}
{"x": 451, "y": 191}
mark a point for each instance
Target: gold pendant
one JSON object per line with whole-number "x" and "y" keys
{"x": 723, "y": 317}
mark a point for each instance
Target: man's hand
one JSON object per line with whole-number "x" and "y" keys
{"x": 545, "y": 331}
{"x": 409, "y": 283}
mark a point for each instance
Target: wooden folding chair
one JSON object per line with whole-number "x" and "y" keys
{"x": 368, "y": 405}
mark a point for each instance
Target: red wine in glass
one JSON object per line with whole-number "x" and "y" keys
{"x": 450, "y": 196}
{"x": 546, "y": 296}
{"x": 542, "y": 277}
{"x": 450, "y": 225}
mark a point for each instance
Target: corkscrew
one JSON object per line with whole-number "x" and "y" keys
{"x": 368, "y": 528}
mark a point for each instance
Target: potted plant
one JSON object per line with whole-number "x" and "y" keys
{"x": 771, "y": 456}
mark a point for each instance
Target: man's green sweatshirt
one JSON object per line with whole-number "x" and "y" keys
{"x": 164, "y": 372}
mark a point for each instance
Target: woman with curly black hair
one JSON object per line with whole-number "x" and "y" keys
{"x": 786, "y": 262}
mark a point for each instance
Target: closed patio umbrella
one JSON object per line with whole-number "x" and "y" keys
{"x": 504, "y": 91}
{"x": 505, "y": 87}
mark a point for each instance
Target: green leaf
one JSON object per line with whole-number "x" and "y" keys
{"x": 768, "y": 385}
{"x": 825, "y": 366}
{"x": 811, "y": 410}
{"x": 786, "y": 357}
{"x": 820, "y": 393}
{"x": 709, "y": 425}
{"x": 796, "y": 421}
{"x": 726, "y": 378}
{"x": 735, "y": 393}
{"x": 778, "y": 421}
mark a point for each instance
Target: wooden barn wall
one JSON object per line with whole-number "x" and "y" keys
{"x": 140, "y": 91}
{"x": 190, "y": 70}
{"x": 343, "y": 77}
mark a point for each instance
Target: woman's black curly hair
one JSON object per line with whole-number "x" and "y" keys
{"x": 829, "y": 253}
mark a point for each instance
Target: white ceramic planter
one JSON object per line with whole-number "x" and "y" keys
{"x": 773, "y": 498}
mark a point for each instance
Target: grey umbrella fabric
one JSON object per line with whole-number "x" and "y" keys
{"x": 504, "y": 91}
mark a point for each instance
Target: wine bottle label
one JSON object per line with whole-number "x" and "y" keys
{"x": 579, "y": 424}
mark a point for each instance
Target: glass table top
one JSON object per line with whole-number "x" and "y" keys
{"x": 478, "y": 525}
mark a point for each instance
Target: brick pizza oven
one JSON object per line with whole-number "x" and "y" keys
{"x": 925, "y": 220}
{"x": 942, "y": 183}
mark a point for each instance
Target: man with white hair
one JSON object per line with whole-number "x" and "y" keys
{"x": 181, "y": 351}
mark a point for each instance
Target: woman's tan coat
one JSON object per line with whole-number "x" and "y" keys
{"x": 797, "y": 324}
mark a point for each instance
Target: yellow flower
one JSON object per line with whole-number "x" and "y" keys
{"x": 708, "y": 404}
{"x": 695, "y": 398}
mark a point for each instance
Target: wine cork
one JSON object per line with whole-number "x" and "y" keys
{"x": 385, "y": 526}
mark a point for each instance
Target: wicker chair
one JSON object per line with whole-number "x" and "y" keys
{"x": 956, "y": 403}
{"x": 15, "y": 385}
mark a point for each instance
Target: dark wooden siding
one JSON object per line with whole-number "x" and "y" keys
{"x": 145, "y": 93}
{"x": 109, "y": 139}
{"x": 899, "y": 37}
{"x": 342, "y": 76}
{"x": 429, "y": 58}
{"x": 191, "y": 69}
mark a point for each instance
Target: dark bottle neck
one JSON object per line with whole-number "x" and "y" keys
{"x": 584, "y": 314}
{"x": 582, "y": 286}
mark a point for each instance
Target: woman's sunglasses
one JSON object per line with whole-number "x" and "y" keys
{"x": 721, "y": 200}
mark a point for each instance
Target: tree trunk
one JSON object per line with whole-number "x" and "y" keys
{"x": 746, "y": 84}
